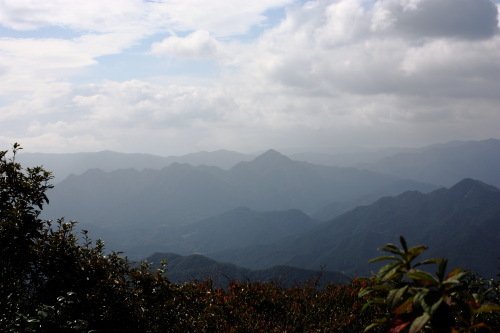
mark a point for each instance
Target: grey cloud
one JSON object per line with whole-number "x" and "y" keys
{"x": 467, "y": 19}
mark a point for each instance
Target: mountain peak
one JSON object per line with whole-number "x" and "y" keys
{"x": 272, "y": 156}
{"x": 468, "y": 184}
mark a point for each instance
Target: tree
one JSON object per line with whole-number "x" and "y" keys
{"x": 50, "y": 280}
{"x": 22, "y": 196}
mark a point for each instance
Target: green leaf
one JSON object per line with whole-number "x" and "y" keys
{"x": 395, "y": 296}
{"x": 368, "y": 290}
{"x": 415, "y": 251}
{"x": 405, "y": 307}
{"x": 384, "y": 258}
{"x": 419, "y": 323}
{"x": 429, "y": 261}
{"x": 388, "y": 271}
{"x": 403, "y": 243}
{"x": 423, "y": 277}
{"x": 456, "y": 274}
{"x": 371, "y": 326}
{"x": 442, "y": 269}
{"x": 419, "y": 297}
{"x": 391, "y": 248}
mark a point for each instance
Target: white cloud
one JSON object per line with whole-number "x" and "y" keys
{"x": 31, "y": 63}
{"x": 197, "y": 45}
{"x": 82, "y": 15}
{"x": 331, "y": 73}
{"x": 221, "y": 17}
{"x": 100, "y": 28}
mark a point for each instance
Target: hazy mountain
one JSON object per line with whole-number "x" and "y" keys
{"x": 349, "y": 158}
{"x": 461, "y": 223}
{"x": 177, "y": 194}
{"x": 447, "y": 164}
{"x": 334, "y": 209}
{"x": 198, "y": 267}
{"x": 62, "y": 165}
{"x": 237, "y": 228}
{"x": 181, "y": 194}
{"x": 223, "y": 159}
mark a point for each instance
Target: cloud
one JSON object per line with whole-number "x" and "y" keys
{"x": 100, "y": 28}
{"x": 81, "y": 15}
{"x": 222, "y": 18}
{"x": 309, "y": 53}
{"x": 444, "y": 18}
{"x": 197, "y": 45}
{"x": 31, "y": 63}
{"x": 330, "y": 73}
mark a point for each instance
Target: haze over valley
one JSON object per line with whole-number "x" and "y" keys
{"x": 270, "y": 210}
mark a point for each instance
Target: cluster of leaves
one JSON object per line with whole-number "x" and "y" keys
{"x": 415, "y": 300}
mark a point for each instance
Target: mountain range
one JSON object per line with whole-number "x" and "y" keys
{"x": 181, "y": 194}
{"x": 446, "y": 164}
{"x": 198, "y": 267}
{"x": 63, "y": 165}
{"x": 442, "y": 164}
{"x": 461, "y": 223}
{"x": 271, "y": 210}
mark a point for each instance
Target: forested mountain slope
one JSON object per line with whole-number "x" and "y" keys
{"x": 461, "y": 223}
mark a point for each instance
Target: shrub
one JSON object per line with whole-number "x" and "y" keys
{"x": 414, "y": 300}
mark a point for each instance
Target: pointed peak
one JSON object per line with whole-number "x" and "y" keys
{"x": 272, "y": 155}
{"x": 467, "y": 184}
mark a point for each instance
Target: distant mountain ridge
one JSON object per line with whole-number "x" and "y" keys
{"x": 181, "y": 193}
{"x": 461, "y": 223}
{"x": 446, "y": 164}
{"x": 443, "y": 164}
{"x": 62, "y": 165}
{"x": 198, "y": 267}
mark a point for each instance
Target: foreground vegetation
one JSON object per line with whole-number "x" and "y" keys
{"x": 51, "y": 280}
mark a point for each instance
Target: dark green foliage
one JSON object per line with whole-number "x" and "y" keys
{"x": 22, "y": 195}
{"x": 415, "y": 300}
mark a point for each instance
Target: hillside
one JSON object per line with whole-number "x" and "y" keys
{"x": 461, "y": 223}
{"x": 236, "y": 228}
{"x": 198, "y": 267}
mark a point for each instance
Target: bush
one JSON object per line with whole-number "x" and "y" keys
{"x": 414, "y": 300}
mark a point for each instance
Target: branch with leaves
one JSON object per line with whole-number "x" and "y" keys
{"x": 416, "y": 301}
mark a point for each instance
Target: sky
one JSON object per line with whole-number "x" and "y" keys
{"x": 170, "y": 77}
